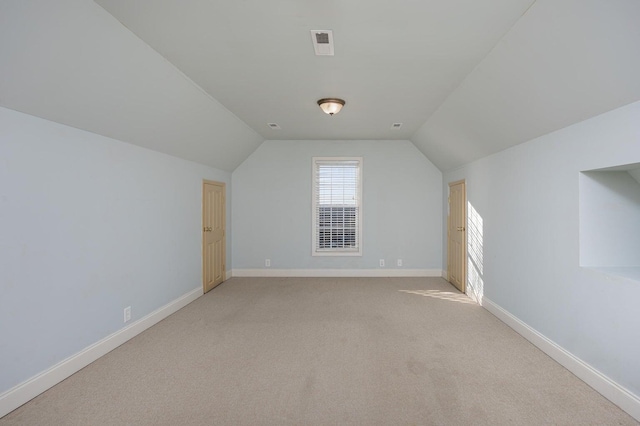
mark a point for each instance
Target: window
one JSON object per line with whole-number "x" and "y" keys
{"x": 337, "y": 206}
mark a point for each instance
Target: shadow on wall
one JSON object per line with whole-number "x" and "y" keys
{"x": 475, "y": 283}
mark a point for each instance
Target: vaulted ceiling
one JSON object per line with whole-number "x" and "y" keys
{"x": 393, "y": 62}
{"x": 200, "y": 79}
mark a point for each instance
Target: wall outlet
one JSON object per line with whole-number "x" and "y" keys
{"x": 267, "y": 263}
{"x": 381, "y": 263}
{"x": 127, "y": 314}
{"x": 399, "y": 262}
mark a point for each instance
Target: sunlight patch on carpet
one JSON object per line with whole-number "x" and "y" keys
{"x": 442, "y": 295}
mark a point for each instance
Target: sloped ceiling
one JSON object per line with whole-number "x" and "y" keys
{"x": 394, "y": 61}
{"x": 71, "y": 62}
{"x": 201, "y": 79}
{"x": 563, "y": 62}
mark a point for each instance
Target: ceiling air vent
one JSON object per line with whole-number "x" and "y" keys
{"x": 273, "y": 126}
{"x": 322, "y": 42}
{"x": 396, "y": 125}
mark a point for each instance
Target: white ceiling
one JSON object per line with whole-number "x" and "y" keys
{"x": 71, "y": 62}
{"x": 201, "y": 79}
{"x": 563, "y": 62}
{"x": 394, "y": 61}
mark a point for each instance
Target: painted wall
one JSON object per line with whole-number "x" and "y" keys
{"x": 527, "y": 199}
{"x": 88, "y": 226}
{"x": 402, "y": 205}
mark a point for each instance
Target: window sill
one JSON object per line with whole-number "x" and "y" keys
{"x": 336, "y": 253}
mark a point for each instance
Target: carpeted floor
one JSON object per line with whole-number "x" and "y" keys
{"x": 324, "y": 351}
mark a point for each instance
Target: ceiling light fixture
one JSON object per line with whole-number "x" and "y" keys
{"x": 331, "y": 105}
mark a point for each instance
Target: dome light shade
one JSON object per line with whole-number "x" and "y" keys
{"x": 331, "y": 105}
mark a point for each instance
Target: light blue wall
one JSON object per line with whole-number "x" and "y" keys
{"x": 402, "y": 205}
{"x": 528, "y": 199}
{"x": 88, "y": 225}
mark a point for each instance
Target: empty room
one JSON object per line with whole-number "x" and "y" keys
{"x": 342, "y": 212}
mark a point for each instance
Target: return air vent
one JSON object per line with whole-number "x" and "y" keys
{"x": 322, "y": 42}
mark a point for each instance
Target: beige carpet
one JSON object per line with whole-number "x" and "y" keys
{"x": 330, "y": 351}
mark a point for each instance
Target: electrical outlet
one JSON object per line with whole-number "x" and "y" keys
{"x": 127, "y": 314}
{"x": 399, "y": 262}
{"x": 381, "y": 263}
{"x": 267, "y": 263}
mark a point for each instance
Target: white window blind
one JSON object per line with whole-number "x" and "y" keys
{"x": 337, "y": 206}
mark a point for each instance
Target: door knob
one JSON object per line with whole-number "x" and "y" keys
{"x": 460, "y": 228}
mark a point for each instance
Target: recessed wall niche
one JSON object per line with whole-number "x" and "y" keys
{"x": 610, "y": 220}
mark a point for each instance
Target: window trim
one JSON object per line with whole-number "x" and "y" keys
{"x": 314, "y": 207}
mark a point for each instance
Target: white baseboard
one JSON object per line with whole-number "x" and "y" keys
{"x": 24, "y": 392}
{"x": 615, "y": 393}
{"x": 337, "y": 273}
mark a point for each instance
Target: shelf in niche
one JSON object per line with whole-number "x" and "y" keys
{"x": 632, "y": 273}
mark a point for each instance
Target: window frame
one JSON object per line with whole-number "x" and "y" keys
{"x": 315, "y": 251}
